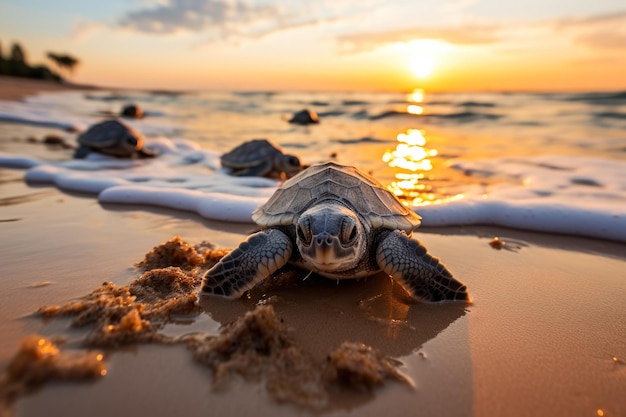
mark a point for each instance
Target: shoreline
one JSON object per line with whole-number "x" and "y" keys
{"x": 16, "y": 88}
{"x": 543, "y": 337}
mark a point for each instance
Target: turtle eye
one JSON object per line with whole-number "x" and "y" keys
{"x": 349, "y": 231}
{"x": 131, "y": 141}
{"x": 304, "y": 231}
{"x": 293, "y": 161}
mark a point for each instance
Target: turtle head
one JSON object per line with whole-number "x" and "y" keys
{"x": 133, "y": 142}
{"x": 289, "y": 164}
{"x": 127, "y": 145}
{"x": 330, "y": 238}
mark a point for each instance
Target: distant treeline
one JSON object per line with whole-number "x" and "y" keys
{"x": 15, "y": 64}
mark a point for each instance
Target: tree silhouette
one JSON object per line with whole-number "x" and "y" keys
{"x": 3, "y": 65}
{"x": 17, "y": 54}
{"x": 15, "y": 65}
{"x": 17, "y": 61}
{"x": 63, "y": 62}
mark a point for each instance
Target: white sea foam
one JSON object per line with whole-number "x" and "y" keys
{"x": 571, "y": 195}
{"x": 58, "y": 110}
{"x": 560, "y": 194}
{"x": 183, "y": 177}
{"x": 39, "y": 116}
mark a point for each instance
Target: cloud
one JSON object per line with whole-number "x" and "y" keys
{"x": 245, "y": 19}
{"x": 461, "y": 35}
{"x": 604, "y": 31}
{"x": 603, "y": 40}
{"x": 223, "y": 16}
{"x": 590, "y": 21}
{"x": 230, "y": 19}
{"x": 607, "y": 31}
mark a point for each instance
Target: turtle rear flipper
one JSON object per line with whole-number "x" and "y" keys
{"x": 407, "y": 261}
{"x": 255, "y": 259}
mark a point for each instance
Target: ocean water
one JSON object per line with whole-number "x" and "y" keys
{"x": 552, "y": 163}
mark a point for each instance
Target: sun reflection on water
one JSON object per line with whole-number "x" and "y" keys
{"x": 417, "y": 96}
{"x": 414, "y": 109}
{"x": 412, "y": 163}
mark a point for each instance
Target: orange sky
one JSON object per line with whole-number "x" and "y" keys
{"x": 460, "y": 45}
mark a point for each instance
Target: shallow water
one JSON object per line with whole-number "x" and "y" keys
{"x": 548, "y": 162}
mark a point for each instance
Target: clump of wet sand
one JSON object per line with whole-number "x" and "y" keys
{"x": 134, "y": 313}
{"x": 40, "y": 360}
{"x": 176, "y": 252}
{"x": 255, "y": 346}
{"x": 359, "y": 365}
{"x": 161, "y": 284}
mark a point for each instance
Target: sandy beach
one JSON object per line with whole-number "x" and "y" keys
{"x": 544, "y": 336}
{"x": 14, "y": 88}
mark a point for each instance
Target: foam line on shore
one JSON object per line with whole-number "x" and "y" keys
{"x": 535, "y": 216}
{"x": 553, "y": 194}
{"x": 549, "y": 193}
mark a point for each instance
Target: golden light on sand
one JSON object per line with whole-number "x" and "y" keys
{"x": 46, "y": 348}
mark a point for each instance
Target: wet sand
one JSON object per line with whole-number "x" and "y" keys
{"x": 545, "y": 336}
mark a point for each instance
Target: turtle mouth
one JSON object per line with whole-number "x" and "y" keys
{"x": 329, "y": 266}
{"x": 328, "y": 254}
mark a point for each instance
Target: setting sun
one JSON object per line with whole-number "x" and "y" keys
{"x": 422, "y": 67}
{"x": 425, "y": 55}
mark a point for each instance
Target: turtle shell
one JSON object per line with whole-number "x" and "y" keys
{"x": 330, "y": 182}
{"x": 109, "y": 133}
{"x": 250, "y": 154}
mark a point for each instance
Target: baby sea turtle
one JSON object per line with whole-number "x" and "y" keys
{"x": 260, "y": 158}
{"x": 339, "y": 222}
{"x": 304, "y": 117}
{"x": 133, "y": 111}
{"x": 112, "y": 137}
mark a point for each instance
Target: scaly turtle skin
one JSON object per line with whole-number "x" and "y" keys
{"x": 339, "y": 222}
{"x": 260, "y": 158}
{"x": 112, "y": 137}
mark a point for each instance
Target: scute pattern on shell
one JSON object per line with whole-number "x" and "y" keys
{"x": 250, "y": 154}
{"x": 107, "y": 133}
{"x": 333, "y": 182}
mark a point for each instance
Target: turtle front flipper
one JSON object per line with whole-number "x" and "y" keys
{"x": 81, "y": 152}
{"x": 145, "y": 153}
{"x": 255, "y": 259}
{"x": 256, "y": 171}
{"x": 408, "y": 261}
